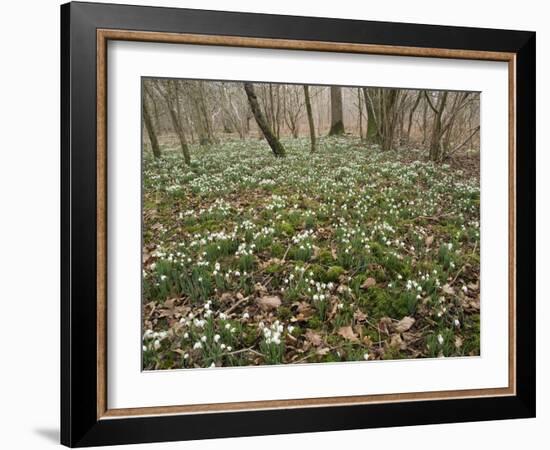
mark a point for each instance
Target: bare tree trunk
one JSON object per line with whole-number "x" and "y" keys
{"x": 437, "y": 129}
{"x": 389, "y": 116}
{"x": 411, "y": 114}
{"x": 310, "y": 119}
{"x": 372, "y": 125}
{"x": 171, "y": 97}
{"x": 276, "y": 146}
{"x": 336, "y": 110}
{"x": 151, "y": 130}
{"x": 360, "y": 113}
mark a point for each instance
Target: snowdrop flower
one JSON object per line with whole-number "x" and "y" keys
{"x": 222, "y": 346}
{"x": 217, "y": 337}
{"x": 203, "y": 338}
{"x": 290, "y": 329}
{"x": 197, "y": 345}
{"x": 144, "y": 348}
{"x": 185, "y": 335}
{"x": 246, "y": 315}
{"x": 222, "y": 316}
{"x": 229, "y": 348}
{"x": 465, "y": 289}
{"x": 366, "y": 356}
{"x": 213, "y": 365}
{"x": 457, "y": 322}
{"x": 440, "y": 339}
{"x": 156, "y": 344}
{"x": 185, "y": 355}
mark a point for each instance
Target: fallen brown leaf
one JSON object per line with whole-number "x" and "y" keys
{"x": 269, "y": 302}
{"x": 404, "y": 324}
{"x": 429, "y": 240}
{"x": 448, "y": 289}
{"x": 359, "y": 316}
{"x": 314, "y": 338}
{"x": 369, "y": 282}
{"x": 348, "y": 333}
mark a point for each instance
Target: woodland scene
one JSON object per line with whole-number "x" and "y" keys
{"x": 292, "y": 224}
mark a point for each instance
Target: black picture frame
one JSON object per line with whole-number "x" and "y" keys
{"x": 80, "y": 425}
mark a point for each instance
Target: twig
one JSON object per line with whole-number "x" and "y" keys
{"x": 434, "y": 218}
{"x": 457, "y": 274}
{"x": 243, "y": 350}
{"x": 232, "y": 308}
{"x": 315, "y": 354}
{"x": 287, "y": 249}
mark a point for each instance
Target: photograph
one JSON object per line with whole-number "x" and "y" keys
{"x": 297, "y": 224}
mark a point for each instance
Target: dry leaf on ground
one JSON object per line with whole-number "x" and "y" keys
{"x": 348, "y": 333}
{"x": 269, "y": 302}
{"x": 404, "y": 324}
{"x": 369, "y": 282}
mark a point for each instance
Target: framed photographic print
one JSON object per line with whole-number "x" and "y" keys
{"x": 276, "y": 224}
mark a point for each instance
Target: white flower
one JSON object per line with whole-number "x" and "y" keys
{"x": 222, "y": 346}
{"x": 144, "y": 348}
{"x": 213, "y": 365}
{"x": 229, "y": 348}
{"x": 156, "y": 344}
{"x": 366, "y": 356}
{"x": 440, "y": 339}
{"x": 290, "y": 329}
{"x": 203, "y": 338}
{"x": 457, "y": 323}
{"x": 217, "y": 337}
{"x": 222, "y": 316}
{"x": 197, "y": 345}
{"x": 185, "y": 335}
{"x": 246, "y": 315}
{"x": 185, "y": 355}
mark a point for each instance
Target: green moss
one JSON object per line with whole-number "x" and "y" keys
{"x": 333, "y": 273}
{"x": 325, "y": 257}
{"x": 277, "y": 250}
{"x": 284, "y": 228}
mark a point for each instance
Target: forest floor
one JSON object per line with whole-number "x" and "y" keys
{"x": 344, "y": 255}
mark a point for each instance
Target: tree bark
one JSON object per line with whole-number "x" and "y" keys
{"x": 372, "y": 125}
{"x": 276, "y": 146}
{"x": 310, "y": 119}
{"x": 437, "y": 129}
{"x": 170, "y": 96}
{"x": 336, "y": 111}
{"x": 151, "y": 130}
{"x": 411, "y": 114}
{"x": 389, "y": 117}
